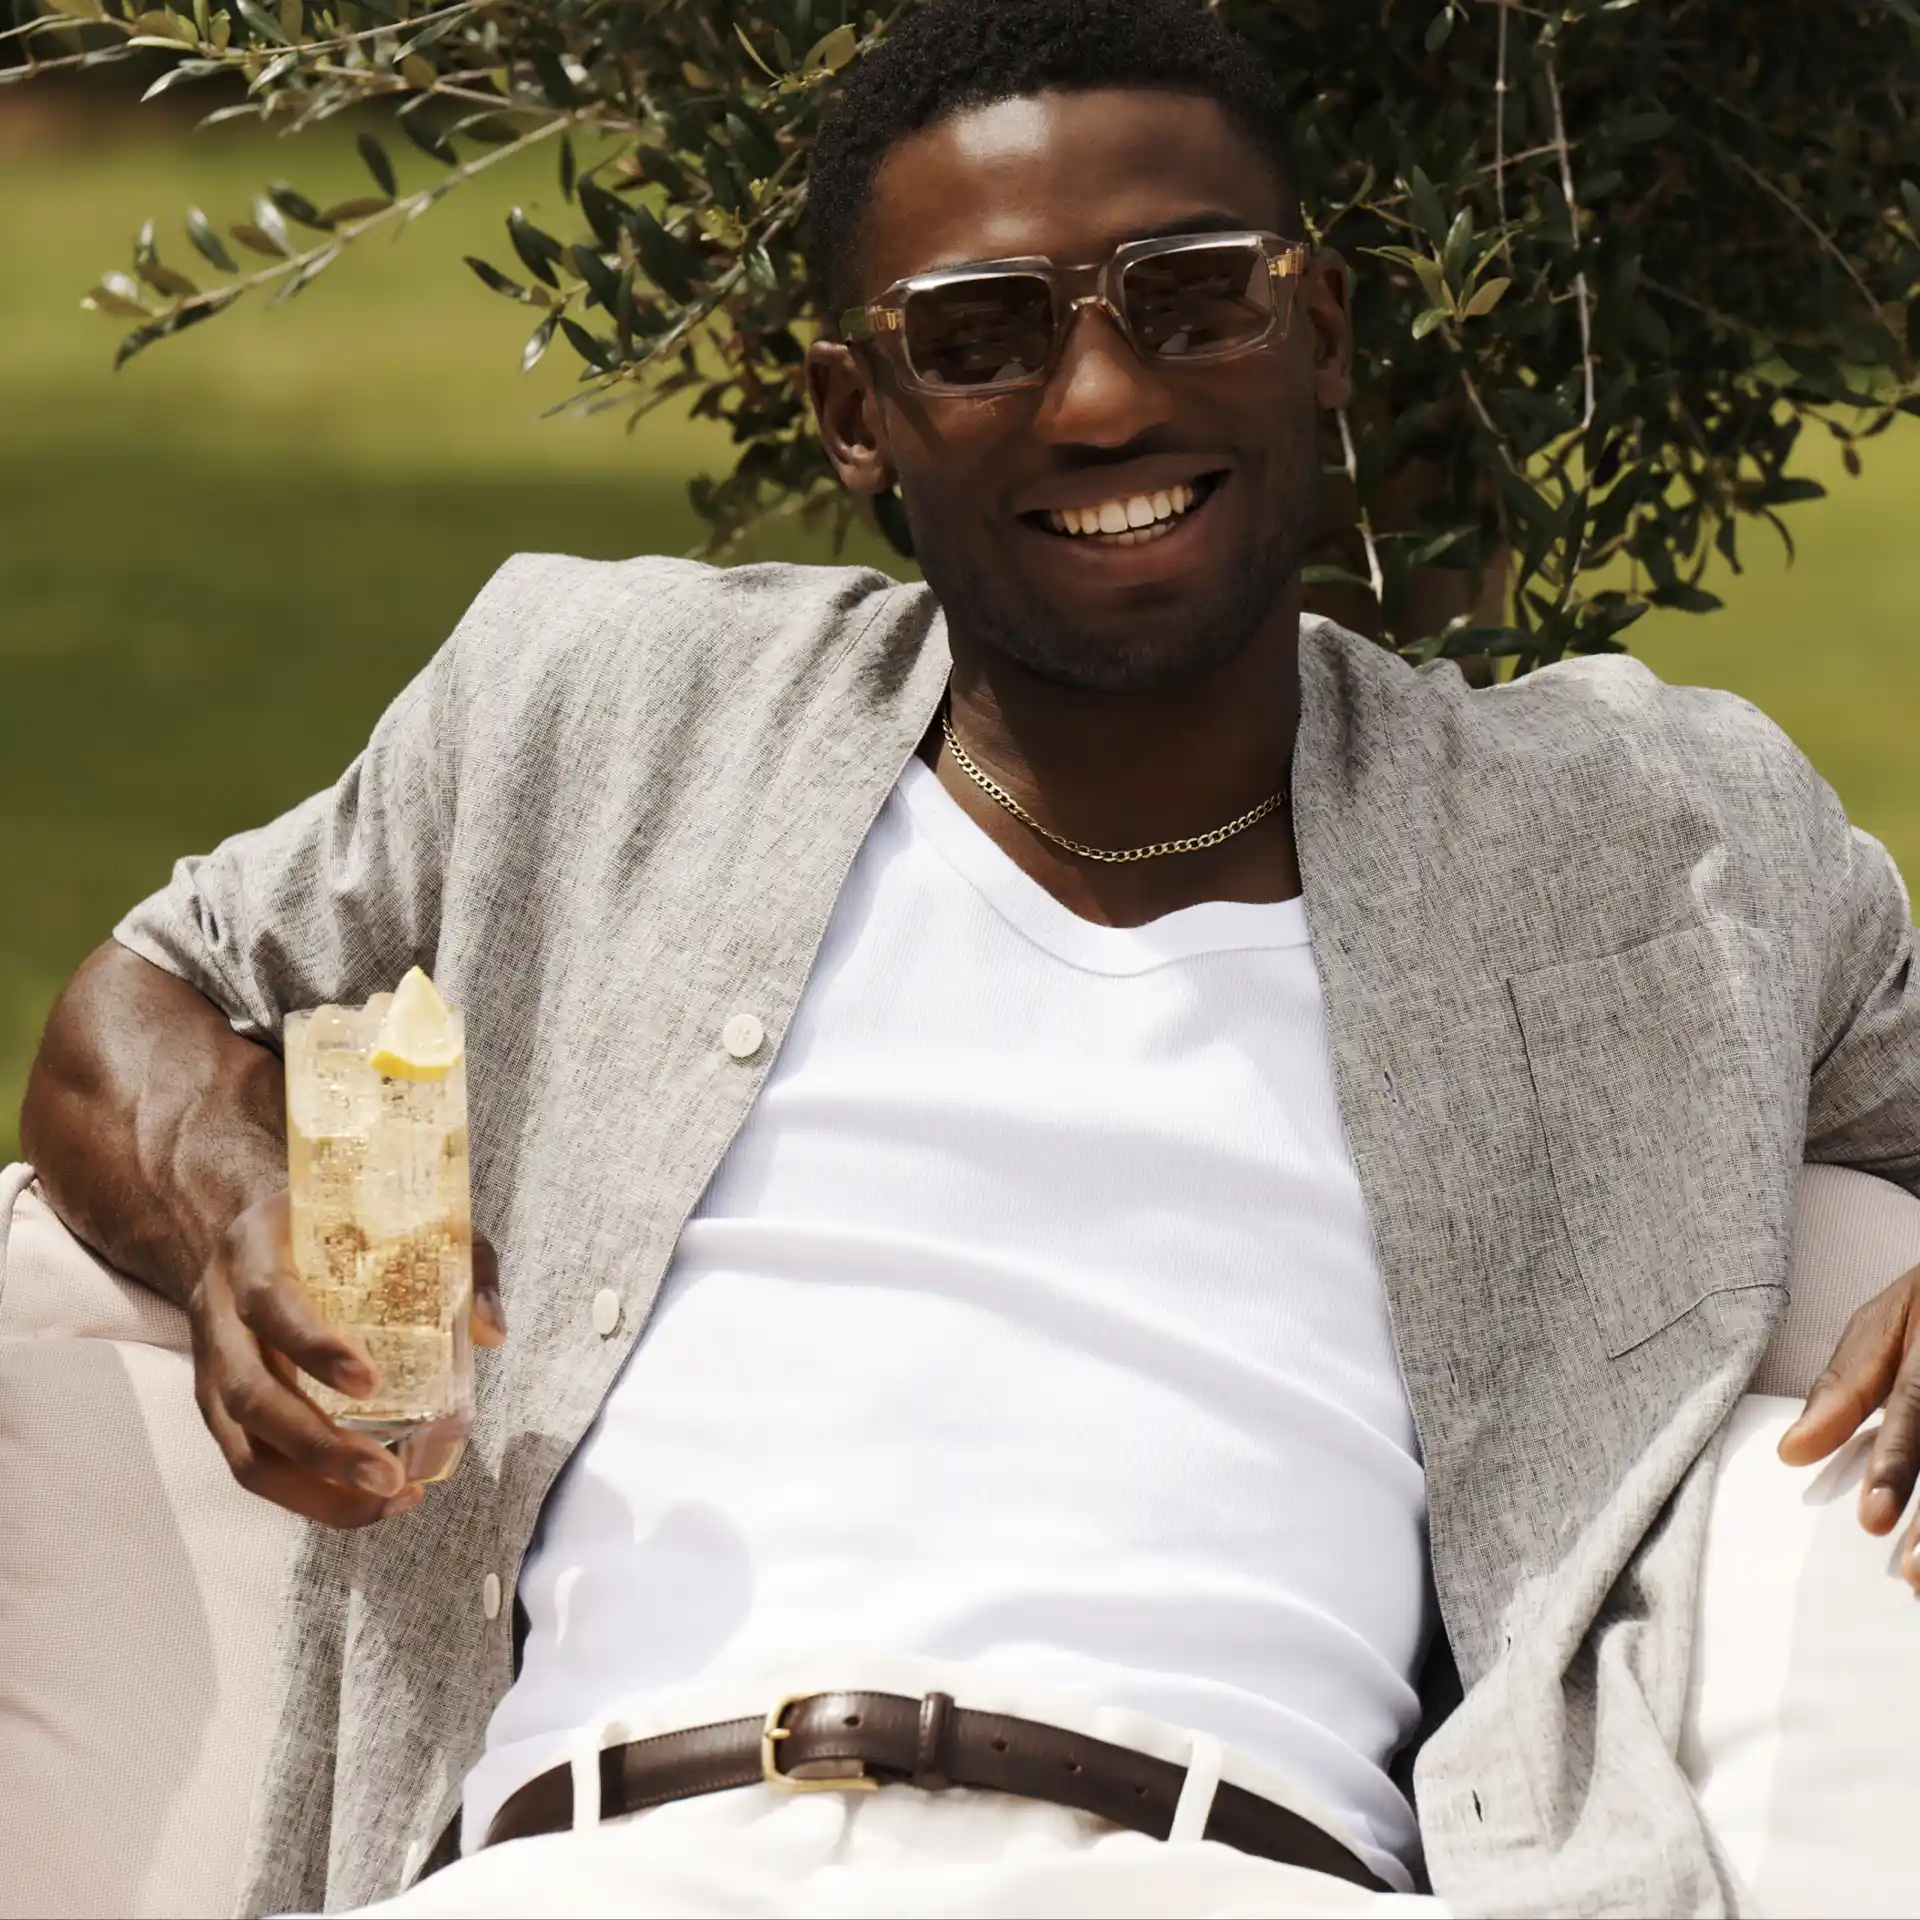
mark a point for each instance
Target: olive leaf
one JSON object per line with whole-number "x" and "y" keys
{"x": 262, "y": 24}
{"x": 605, "y": 214}
{"x": 537, "y": 344}
{"x": 250, "y": 234}
{"x": 296, "y": 206}
{"x": 200, "y": 232}
{"x": 491, "y": 276}
{"x": 591, "y": 347}
{"x": 831, "y": 51}
{"x": 121, "y": 300}
{"x": 361, "y": 208}
{"x": 539, "y": 251}
{"x": 555, "y": 81}
{"x": 1429, "y": 215}
{"x": 374, "y": 155}
{"x": 603, "y": 283}
{"x": 424, "y": 135}
{"x": 1485, "y": 298}
{"x": 667, "y": 261}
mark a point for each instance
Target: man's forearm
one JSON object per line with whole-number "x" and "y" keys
{"x": 151, "y": 1123}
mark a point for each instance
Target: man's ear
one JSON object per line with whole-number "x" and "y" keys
{"x": 1325, "y": 306}
{"x": 840, "y": 384}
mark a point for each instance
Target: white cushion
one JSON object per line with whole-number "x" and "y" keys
{"x": 139, "y": 1589}
{"x": 1802, "y": 1730}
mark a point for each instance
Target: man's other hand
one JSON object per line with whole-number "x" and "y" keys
{"x": 253, "y": 1324}
{"x": 1876, "y": 1364}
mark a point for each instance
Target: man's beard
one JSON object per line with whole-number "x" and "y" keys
{"x": 1185, "y": 641}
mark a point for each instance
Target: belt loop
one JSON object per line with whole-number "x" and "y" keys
{"x": 583, "y": 1760}
{"x": 1195, "y": 1806}
{"x": 935, "y": 1711}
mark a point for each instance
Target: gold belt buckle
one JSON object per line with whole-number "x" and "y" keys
{"x": 773, "y": 1731}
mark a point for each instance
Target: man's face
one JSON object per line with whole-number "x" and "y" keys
{"x": 1071, "y": 176}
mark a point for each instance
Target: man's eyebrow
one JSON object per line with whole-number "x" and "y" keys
{"x": 1212, "y": 221}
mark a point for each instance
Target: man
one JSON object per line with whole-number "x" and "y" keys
{"x": 1050, "y": 1138}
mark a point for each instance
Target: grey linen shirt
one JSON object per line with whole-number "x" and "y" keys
{"x": 1603, "y": 963}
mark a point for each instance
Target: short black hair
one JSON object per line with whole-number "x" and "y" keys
{"x": 953, "y": 54}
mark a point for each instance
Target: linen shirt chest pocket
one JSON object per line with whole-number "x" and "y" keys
{"x": 1672, "y": 1088}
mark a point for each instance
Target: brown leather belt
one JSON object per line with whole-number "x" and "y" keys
{"x": 854, "y": 1742}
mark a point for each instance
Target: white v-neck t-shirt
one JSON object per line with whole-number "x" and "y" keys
{"x": 1032, "y": 1322}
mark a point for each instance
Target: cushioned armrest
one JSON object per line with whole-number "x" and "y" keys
{"x": 139, "y": 1596}
{"x": 1798, "y": 1730}
{"x": 14, "y": 1181}
{"x": 51, "y": 1287}
{"x": 1853, "y": 1236}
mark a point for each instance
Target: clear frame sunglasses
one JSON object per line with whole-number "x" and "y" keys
{"x": 997, "y": 326}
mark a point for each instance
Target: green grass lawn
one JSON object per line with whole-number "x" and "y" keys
{"x": 217, "y": 566}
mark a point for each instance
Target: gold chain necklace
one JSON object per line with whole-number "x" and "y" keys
{"x": 1113, "y": 856}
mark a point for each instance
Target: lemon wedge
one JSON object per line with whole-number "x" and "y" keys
{"x": 418, "y": 1039}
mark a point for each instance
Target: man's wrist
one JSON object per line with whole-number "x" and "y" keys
{"x": 229, "y": 1153}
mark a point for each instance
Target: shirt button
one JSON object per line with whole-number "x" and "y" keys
{"x": 490, "y": 1596}
{"x": 743, "y": 1036}
{"x": 606, "y": 1312}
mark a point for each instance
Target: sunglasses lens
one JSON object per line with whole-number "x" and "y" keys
{"x": 1195, "y": 301}
{"x": 985, "y": 332}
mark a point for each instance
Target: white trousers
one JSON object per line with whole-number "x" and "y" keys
{"x": 900, "y": 1851}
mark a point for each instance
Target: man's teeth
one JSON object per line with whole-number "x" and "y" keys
{"x": 1143, "y": 516}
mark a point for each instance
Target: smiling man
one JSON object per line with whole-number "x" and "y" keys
{"x": 1098, "y": 1185}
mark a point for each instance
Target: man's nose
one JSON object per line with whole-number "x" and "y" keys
{"x": 1101, "y": 393}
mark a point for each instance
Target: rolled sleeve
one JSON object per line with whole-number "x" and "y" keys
{"x": 1864, "y": 1104}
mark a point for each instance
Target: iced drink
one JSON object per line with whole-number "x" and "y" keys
{"x": 377, "y": 1173}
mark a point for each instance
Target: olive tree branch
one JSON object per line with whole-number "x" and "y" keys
{"x": 1387, "y": 207}
{"x": 1478, "y": 402}
{"x": 1480, "y": 409}
{"x": 338, "y": 43}
{"x": 52, "y": 23}
{"x": 129, "y": 30}
{"x": 796, "y": 506}
{"x": 374, "y": 83}
{"x": 1581, "y": 293}
{"x": 206, "y": 48}
{"x": 1828, "y": 244}
{"x": 1500, "y": 88}
{"x": 1375, "y": 576}
{"x": 403, "y": 209}
{"x": 765, "y": 229}
{"x": 93, "y": 57}
{"x": 1732, "y": 322}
